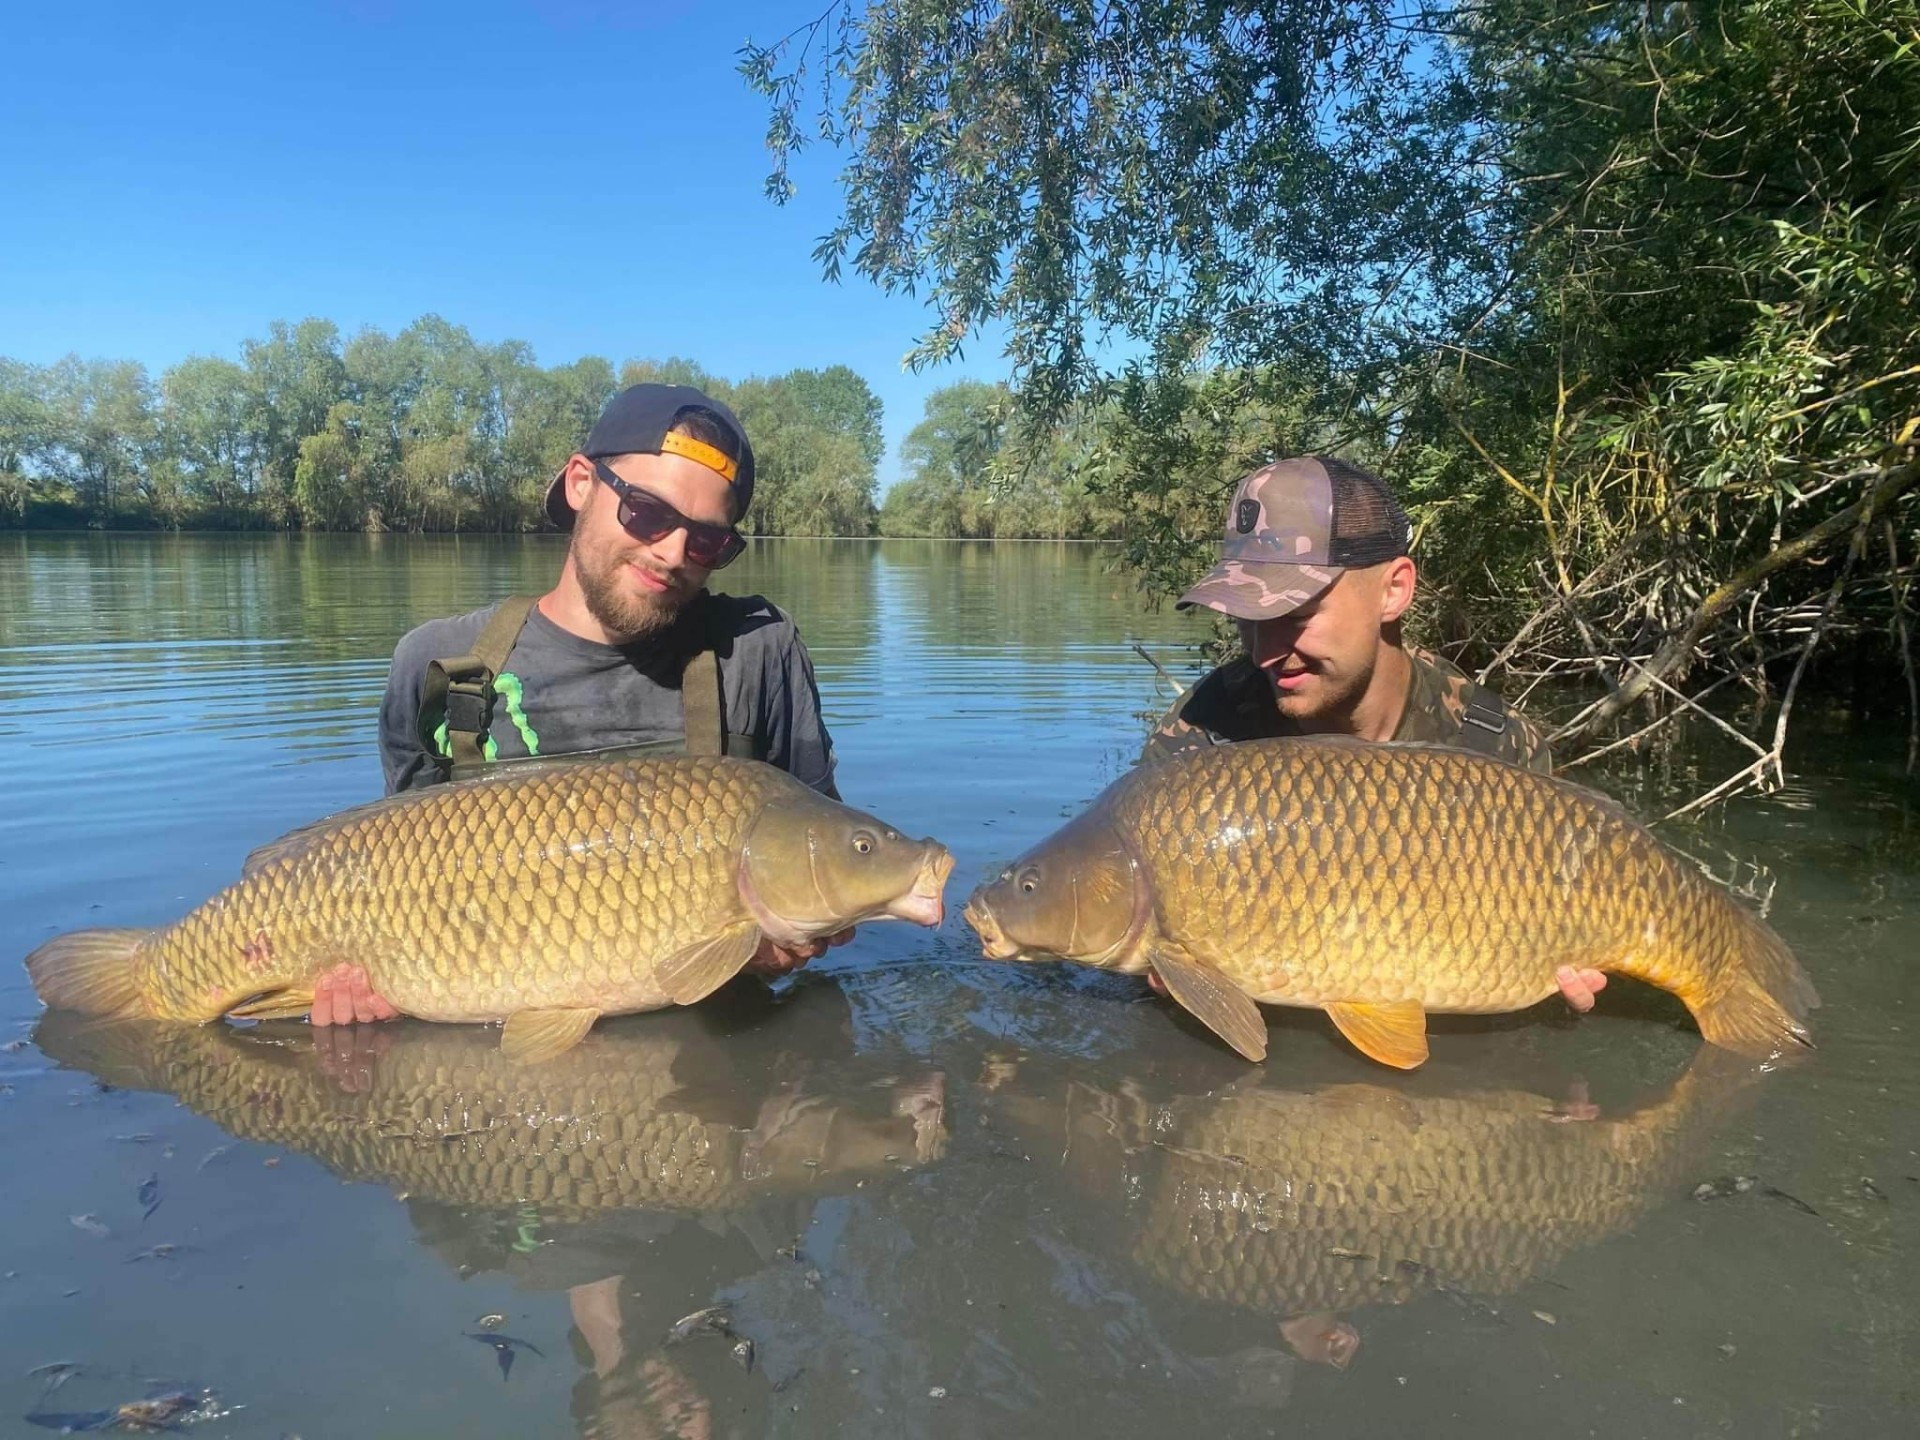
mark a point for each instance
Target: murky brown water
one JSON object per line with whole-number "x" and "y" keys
{"x": 931, "y": 1196}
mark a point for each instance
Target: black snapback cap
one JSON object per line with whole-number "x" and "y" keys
{"x": 639, "y": 421}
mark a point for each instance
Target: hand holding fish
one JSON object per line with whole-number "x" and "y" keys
{"x": 344, "y": 996}
{"x": 772, "y": 960}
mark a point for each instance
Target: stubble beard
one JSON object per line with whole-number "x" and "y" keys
{"x": 1328, "y": 705}
{"x": 624, "y": 616}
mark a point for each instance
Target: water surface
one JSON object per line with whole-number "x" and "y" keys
{"x": 936, "y": 1197}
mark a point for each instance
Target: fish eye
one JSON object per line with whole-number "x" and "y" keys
{"x": 863, "y": 842}
{"x": 1029, "y": 881}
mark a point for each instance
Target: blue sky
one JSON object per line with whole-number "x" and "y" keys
{"x": 583, "y": 175}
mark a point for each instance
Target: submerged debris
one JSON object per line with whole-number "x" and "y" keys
{"x": 1726, "y": 1185}
{"x": 164, "y": 1251}
{"x": 504, "y": 1348}
{"x": 491, "y": 1322}
{"x": 91, "y": 1224}
{"x": 714, "y": 1320}
{"x": 54, "y": 1374}
{"x": 149, "y": 1194}
{"x": 166, "y": 1410}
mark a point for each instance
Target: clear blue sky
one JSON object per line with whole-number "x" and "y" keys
{"x": 584, "y": 175}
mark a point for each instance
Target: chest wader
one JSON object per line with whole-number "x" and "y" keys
{"x": 459, "y": 693}
{"x": 1483, "y": 724}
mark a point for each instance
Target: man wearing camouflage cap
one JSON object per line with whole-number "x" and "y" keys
{"x": 1315, "y": 573}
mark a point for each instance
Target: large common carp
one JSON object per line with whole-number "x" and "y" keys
{"x": 640, "y": 1117}
{"x": 545, "y": 896}
{"x": 1381, "y": 883}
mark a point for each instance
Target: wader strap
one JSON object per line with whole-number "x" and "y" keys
{"x": 700, "y": 699}
{"x": 1483, "y": 724}
{"x": 460, "y": 690}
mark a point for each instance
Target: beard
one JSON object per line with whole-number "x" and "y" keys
{"x": 1325, "y": 701}
{"x": 625, "y": 615}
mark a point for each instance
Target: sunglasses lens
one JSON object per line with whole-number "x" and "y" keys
{"x": 708, "y": 546}
{"x": 646, "y": 518}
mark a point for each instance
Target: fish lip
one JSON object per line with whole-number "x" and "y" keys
{"x": 925, "y": 904}
{"x": 994, "y": 943}
{"x": 928, "y": 910}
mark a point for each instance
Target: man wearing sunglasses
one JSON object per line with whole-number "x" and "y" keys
{"x": 629, "y": 653}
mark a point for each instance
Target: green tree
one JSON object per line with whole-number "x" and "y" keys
{"x": 1621, "y": 295}
{"x": 295, "y": 377}
{"x": 104, "y": 431}
{"x": 207, "y": 436}
{"x": 814, "y": 436}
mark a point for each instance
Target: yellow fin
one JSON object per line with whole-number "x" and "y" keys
{"x": 1214, "y": 1000}
{"x": 531, "y": 1036}
{"x": 697, "y": 971}
{"x": 286, "y": 1004}
{"x": 90, "y": 971}
{"x": 1394, "y": 1033}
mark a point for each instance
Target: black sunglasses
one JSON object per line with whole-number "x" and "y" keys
{"x": 646, "y": 517}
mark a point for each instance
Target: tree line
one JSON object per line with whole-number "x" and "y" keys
{"x": 1622, "y": 297}
{"x": 431, "y": 430}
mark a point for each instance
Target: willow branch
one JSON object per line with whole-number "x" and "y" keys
{"x": 1676, "y": 650}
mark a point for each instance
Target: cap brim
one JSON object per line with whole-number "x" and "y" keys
{"x": 1251, "y": 591}
{"x": 558, "y": 510}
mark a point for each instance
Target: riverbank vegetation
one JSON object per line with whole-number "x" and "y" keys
{"x": 426, "y": 430}
{"x": 1621, "y": 297}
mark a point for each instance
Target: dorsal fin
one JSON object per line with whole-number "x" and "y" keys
{"x": 295, "y": 843}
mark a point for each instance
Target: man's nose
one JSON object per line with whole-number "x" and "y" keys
{"x": 671, "y": 548}
{"x": 1274, "y": 640}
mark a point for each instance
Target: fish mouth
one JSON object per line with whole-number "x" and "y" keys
{"x": 925, "y": 903}
{"x": 993, "y": 940}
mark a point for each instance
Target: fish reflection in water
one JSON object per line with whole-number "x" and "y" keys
{"x": 1309, "y": 1205}
{"x": 647, "y": 1116}
{"x": 719, "y": 1127}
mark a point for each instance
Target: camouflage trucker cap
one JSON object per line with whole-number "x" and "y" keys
{"x": 1292, "y": 528}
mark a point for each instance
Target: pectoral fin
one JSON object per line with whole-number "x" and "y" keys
{"x": 288, "y": 1004}
{"x": 697, "y": 971}
{"x": 531, "y": 1036}
{"x": 1394, "y": 1033}
{"x": 1214, "y": 1000}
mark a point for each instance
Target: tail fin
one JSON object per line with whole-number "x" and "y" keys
{"x": 90, "y": 971}
{"x": 127, "y": 1053}
{"x": 1761, "y": 1006}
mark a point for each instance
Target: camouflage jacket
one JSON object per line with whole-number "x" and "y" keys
{"x": 1444, "y": 707}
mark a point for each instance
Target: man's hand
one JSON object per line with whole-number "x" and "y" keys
{"x": 771, "y": 961}
{"x": 1578, "y": 987}
{"x": 344, "y": 996}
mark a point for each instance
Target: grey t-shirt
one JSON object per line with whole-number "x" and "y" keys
{"x": 560, "y": 694}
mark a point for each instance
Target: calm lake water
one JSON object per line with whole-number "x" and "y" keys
{"x": 932, "y": 1196}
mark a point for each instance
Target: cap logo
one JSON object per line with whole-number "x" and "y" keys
{"x": 701, "y": 453}
{"x": 1246, "y": 515}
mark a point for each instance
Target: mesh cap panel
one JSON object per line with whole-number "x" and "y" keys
{"x": 1369, "y": 527}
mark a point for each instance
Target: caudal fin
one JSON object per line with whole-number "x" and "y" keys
{"x": 90, "y": 971}
{"x": 1764, "y": 997}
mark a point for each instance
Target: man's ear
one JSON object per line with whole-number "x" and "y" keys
{"x": 580, "y": 482}
{"x": 1396, "y": 589}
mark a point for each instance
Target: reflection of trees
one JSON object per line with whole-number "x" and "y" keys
{"x": 1050, "y": 596}
{"x": 827, "y": 586}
